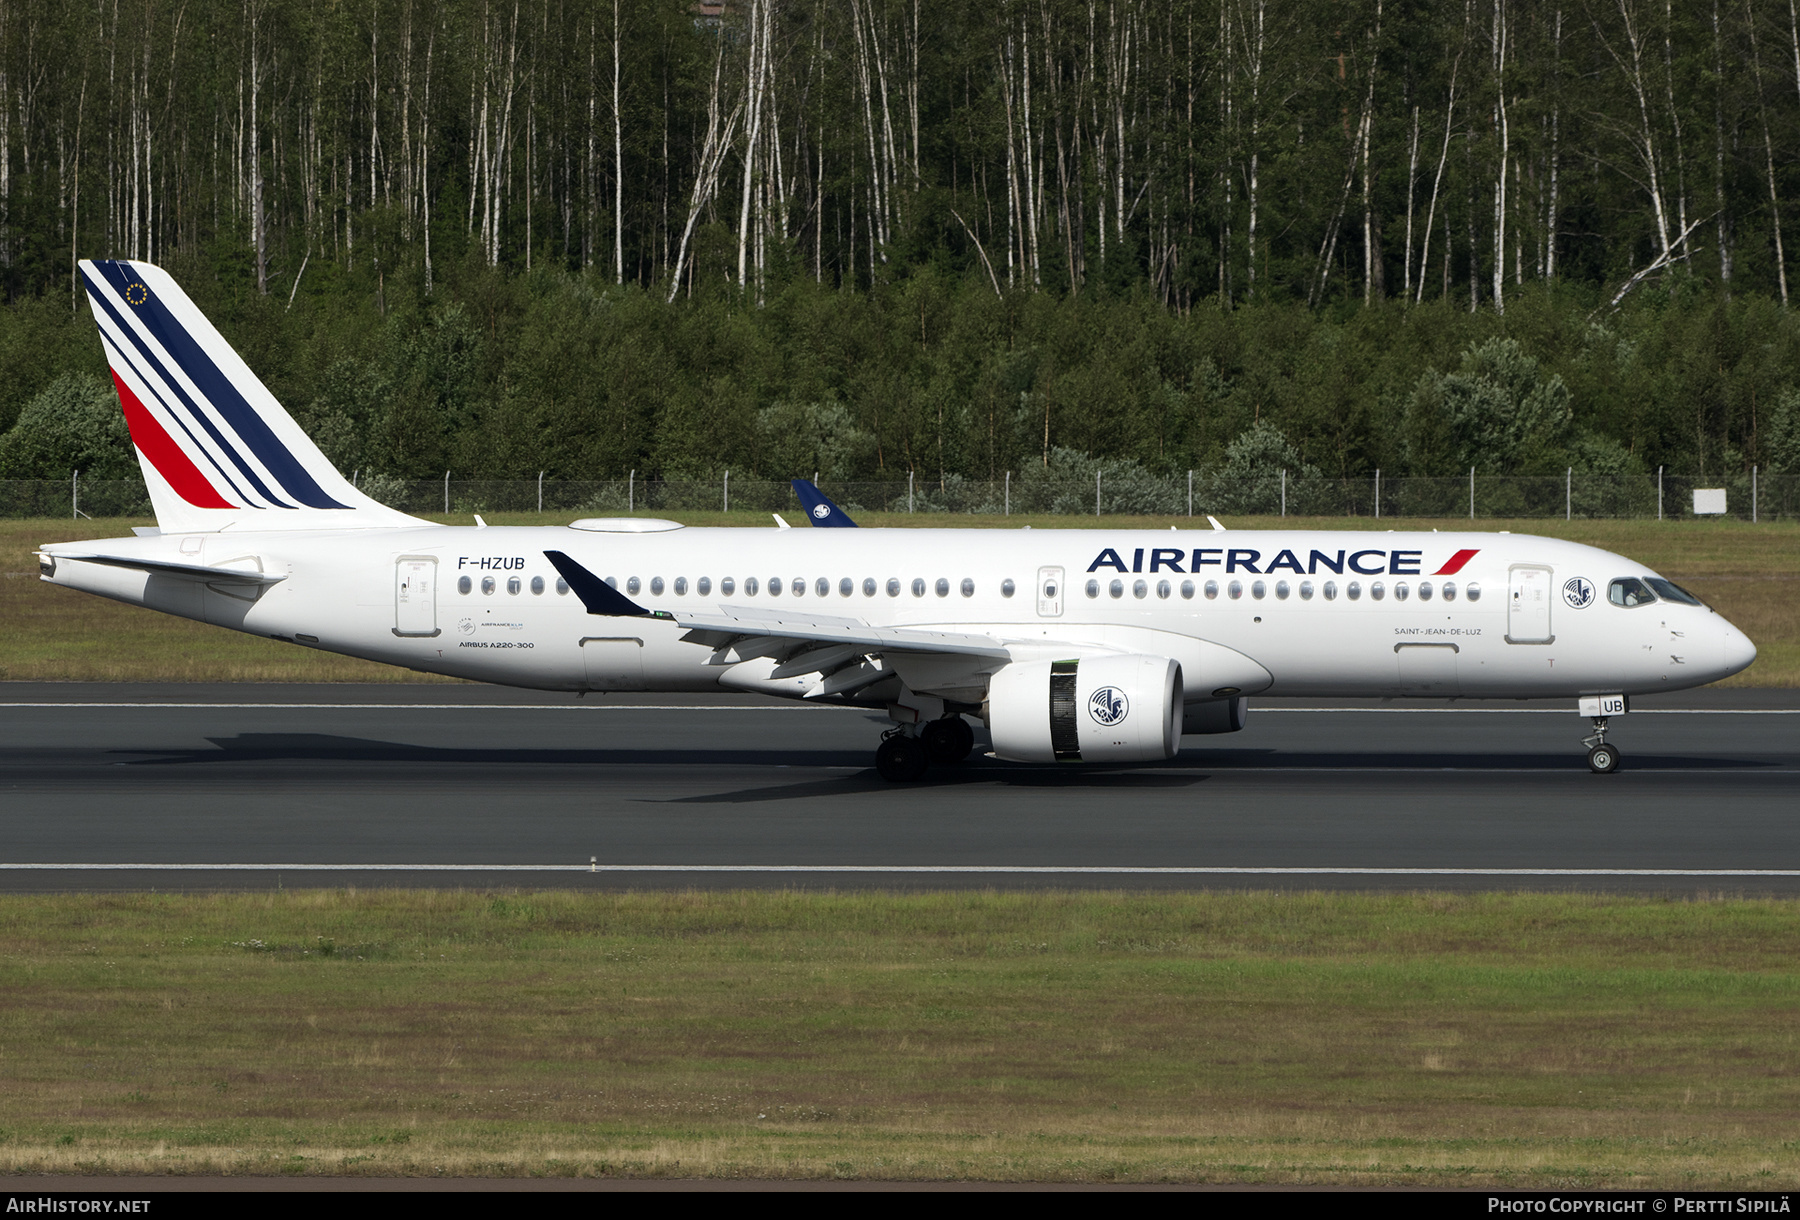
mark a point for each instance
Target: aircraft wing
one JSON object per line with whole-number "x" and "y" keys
{"x": 732, "y": 623}
{"x": 185, "y": 571}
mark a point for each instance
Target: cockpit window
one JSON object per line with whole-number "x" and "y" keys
{"x": 1629, "y": 591}
{"x": 1670, "y": 591}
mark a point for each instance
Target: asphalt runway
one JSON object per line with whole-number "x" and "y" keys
{"x": 243, "y": 787}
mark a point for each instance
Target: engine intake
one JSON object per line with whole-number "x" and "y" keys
{"x": 1093, "y": 709}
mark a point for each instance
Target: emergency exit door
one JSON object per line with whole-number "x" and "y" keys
{"x": 1050, "y": 592}
{"x": 415, "y": 596}
{"x": 1528, "y": 607}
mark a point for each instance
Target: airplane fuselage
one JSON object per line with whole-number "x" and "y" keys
{"x": 1366, "y": 614}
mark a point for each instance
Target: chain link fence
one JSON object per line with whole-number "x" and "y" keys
{"x": 1753, "y": 496}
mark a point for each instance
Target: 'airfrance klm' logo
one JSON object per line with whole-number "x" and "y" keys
{"x": 1374, "y": 562}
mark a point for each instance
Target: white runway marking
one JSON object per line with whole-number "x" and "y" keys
{"x": 474, "y": 707}
{"x": 964, "y": 869}
{"x": 830, "y": 707}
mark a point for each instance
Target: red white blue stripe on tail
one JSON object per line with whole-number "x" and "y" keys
{"x": 211, "y": 438}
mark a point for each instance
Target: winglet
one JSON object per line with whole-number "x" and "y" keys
{"x": 823, "y": 512}
{"x": 598, "y": 596}
{"x": 1217, "y": 528}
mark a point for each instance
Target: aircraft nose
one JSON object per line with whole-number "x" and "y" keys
{"x": 1736, "y": 650}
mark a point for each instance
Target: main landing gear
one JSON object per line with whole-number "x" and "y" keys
{"x": 903, "y": 757}
{"x": 1602, "y": 758}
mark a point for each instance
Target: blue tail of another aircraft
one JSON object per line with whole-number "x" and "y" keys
{"x": 822, "y": 511}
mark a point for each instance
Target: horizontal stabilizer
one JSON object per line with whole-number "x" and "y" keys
{"x": 188, "y": 571}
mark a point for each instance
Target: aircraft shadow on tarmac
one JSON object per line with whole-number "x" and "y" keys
{"x": 1190, "y": 766}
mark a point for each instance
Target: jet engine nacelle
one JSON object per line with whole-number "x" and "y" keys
{"x": 1094, "y": 709}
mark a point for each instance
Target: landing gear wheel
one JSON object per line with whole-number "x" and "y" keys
{"x": 949, "y": 740}
{"x": 1603, "y": 760}
{"x": 901, "y": 759}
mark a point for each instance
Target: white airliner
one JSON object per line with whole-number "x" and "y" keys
{"x": 1070, "y": 646}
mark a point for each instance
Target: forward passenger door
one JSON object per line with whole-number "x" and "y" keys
{"x": 1528, "y": 607}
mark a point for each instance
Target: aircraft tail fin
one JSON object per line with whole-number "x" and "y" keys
{"x": 216, "y": 448}
{"x": 821, "y": 511}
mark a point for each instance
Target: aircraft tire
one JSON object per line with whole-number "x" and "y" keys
{"x": 1603, "y": 760}
{"x": 901, "y": 759}
{"x": 949, "y": 740}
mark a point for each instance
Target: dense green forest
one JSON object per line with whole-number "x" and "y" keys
{"x": 874, "y": 236}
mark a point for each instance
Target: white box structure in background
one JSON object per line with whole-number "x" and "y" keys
{"x": 1709, "y": 501}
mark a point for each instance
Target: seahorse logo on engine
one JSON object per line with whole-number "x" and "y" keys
{"x": 1108, "y": 706}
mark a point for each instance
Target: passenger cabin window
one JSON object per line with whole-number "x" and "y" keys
{"x": 656, "y": 586}
{"x": 1187, "y": 590}
{"x": 968, "y": 587}
{"x": 943, "y": 587}
{"x": 1353, "y": 590}
{"x": 1212, "y": 590}
{"x": 514, "y": 585}
{"x": 1140, "y": 589}
{"x": 1281, "y": 589}
{"x": 1306, "y": 590}
{"x": 1116, "y": 589}
{"x": 1330, "y": 590}
{"x": 822, "y": 587}
{"x": 1258, "y": 589}
{"x": 632, "y": 585}
{"x": 1163, "y": 589}
{"x": 1377, "y": 590}
{"x": 1007, "y": 588}
{"x": 537, "y": 586}
{"x": 703, "y": 586}
{"x": 1424, "y": 590}
{"x": 487, "y": 586}
{"x": 893, "y": 586}
{"x": 1449, "y": 590}
{"x": 1401, "y": 592}
{"x": 749, "y": 586}
{"x": 562, "y": 586}
{"x": 1235, "y": 589}
{"x": 728, "y": 586}
{"x": 464, "y": 584}
{"x": 868, "y": 586}
{"x": 918, "y": 586}
{"x": 1093, "y": 588}
{"x": 1474, "y": 591}
{"x": 681, "y": 586}
{"x": 774, "y": 586}
{"x": 797, "y": 586}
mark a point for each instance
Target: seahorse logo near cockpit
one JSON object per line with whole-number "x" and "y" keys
{"x": 1579, "y": 593}
{"x": 1108, "y": 706}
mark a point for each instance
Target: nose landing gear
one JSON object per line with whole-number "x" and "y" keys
{"x": 1602, "y": 758}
